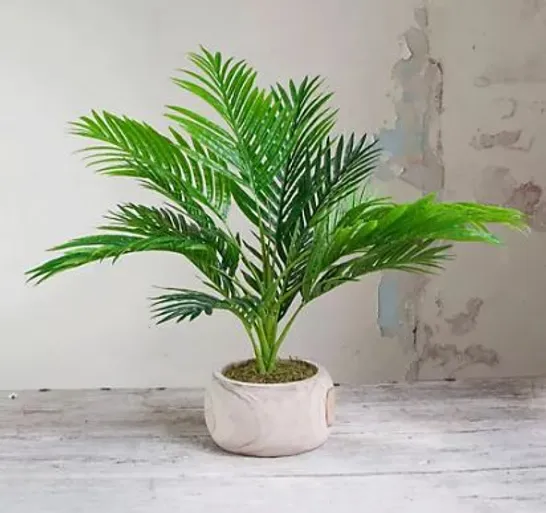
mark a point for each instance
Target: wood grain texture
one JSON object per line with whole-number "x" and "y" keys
{"x": 477, "y": 446}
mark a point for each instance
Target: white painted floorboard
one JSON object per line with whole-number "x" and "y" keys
{"x": 476, "y": 446}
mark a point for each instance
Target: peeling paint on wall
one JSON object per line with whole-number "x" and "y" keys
{"x": 500, "y": 124}
{"x": 465, "y": 322}
{"x": 415, "y": 142}
{"x": 526, "y": 197}
{"x": 506, "y": 138}
{"x": 398, "y": 296}
{"x": 448, "y": 357}
{"x": 413, "y": 145}
{"x": 508, "y": 106}
{"x": 388, "y": 315}
{"x": 498, "y": 186}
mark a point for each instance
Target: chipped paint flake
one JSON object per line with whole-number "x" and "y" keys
{"x": 388, "y": 316}
{"x": 465, "y": 322}
{"x": 398, "y": 296}
{"x": 414, "y": 143}
{"x": 525, "y": 197}
{"x": 449, "y": 357}
{"x": 509, "y": 106}
{"x": 506, "y": 139}
{"x": 497, "y": 186}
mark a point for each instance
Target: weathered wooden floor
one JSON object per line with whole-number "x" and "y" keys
{"x": 445, "y": 447}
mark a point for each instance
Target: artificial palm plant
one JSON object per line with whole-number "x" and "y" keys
{"x": 303, "y": 190}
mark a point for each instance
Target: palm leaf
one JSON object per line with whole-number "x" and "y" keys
{"x": 180, "y": 304}
{"x": 96, "y": 248}
{"x": 379, "y": 235}
{"x": 135, "y": 228}
{"x": 312, "y": 122}
{"x": 256, "y": 136}
{"x": 222, "y": 259}
{"x": 173, "y": 168}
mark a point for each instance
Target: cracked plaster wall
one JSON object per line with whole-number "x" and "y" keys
{"x": 484, "y": 315}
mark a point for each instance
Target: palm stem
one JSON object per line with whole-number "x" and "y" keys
{"x": 265, "y": 347}
{"x": 260, "y": 363}
{"x": 272, "y": 361}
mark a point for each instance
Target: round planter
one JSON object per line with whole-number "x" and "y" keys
{"x": 270, "y": 420}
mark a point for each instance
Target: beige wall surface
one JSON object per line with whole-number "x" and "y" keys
{"x": 458, "y": 104}
{"x": 485, "y": 316}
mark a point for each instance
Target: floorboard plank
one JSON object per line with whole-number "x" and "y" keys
{"x": 452, "y": 447}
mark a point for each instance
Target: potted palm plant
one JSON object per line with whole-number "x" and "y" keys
{"x": 313, "y": 227}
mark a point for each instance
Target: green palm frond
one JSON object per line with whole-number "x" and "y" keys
{"x": 255, "y": 138}
{"x": 173, "y": 168}
{"x": 313, "y": 120}
{"x": 96, "y": 248}
{"x": 137, "y": 228}
{"x": 220, "y": 262}
{"x": 303, "y": 189}
{"x": 380, "y": 235}
{"x": 181, "y": 304}
{"x": 327, "y": 180}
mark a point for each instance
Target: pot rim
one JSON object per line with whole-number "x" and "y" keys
{"x": 221, "y": 377}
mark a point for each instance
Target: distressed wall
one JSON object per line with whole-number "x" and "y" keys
{"x": 479, "y": 69}
{"x": 456, "y": 91}
{"x": 485, "y": 316}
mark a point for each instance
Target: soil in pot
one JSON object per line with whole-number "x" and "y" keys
{"x": 286, "y": 371}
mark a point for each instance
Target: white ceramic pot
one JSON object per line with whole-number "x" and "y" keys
{"x": 270, "y": 420}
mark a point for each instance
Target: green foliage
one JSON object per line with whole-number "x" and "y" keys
{"x": 273, "y": 154}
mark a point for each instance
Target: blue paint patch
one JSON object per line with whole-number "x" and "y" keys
{"x": 393, "y": 140}
{"x": 388, "y": 317}
{"x": 400, "y": 142}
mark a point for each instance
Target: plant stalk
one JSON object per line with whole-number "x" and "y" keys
{"x": 271, "y": 361}
{"x": 260, "y": 363}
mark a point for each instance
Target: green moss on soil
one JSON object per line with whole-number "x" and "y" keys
{"x": 286, "y": 371}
